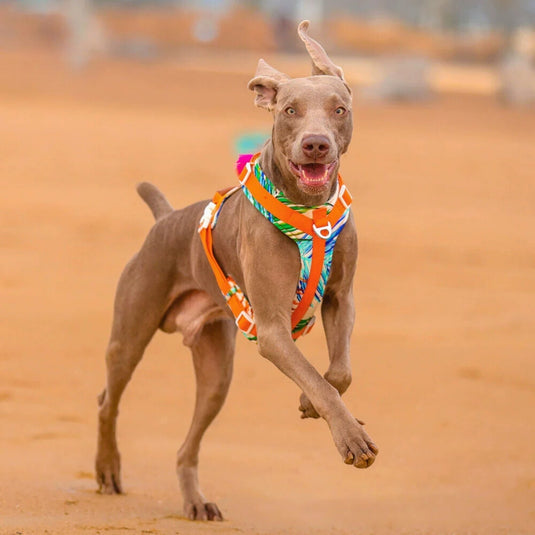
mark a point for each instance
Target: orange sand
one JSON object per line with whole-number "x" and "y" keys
{"x": 444, "y": 373}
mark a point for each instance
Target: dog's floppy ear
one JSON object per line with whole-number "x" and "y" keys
{"x": 321, "y": 63}
{"x": 265, "y": 84}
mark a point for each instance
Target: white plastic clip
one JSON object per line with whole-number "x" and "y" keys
{"x": 206, "y": 218}
{"x": 249, "y": 168}
{"x": 323, "y": 232}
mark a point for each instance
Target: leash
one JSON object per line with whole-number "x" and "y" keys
{"x": 317, "y": 225}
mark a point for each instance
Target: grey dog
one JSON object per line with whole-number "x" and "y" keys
{"x": 169, "y": 283}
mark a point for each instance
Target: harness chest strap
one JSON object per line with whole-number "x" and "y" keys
{"x": 319, "y": 227}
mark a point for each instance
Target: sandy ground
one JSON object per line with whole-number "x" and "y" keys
{"x": 443, "y": 348}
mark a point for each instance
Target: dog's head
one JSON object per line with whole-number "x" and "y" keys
{"x": 312, "y": 123}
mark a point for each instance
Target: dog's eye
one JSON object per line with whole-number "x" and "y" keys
{"x": 290, "y": 111}
{"x": 340, "y": 110}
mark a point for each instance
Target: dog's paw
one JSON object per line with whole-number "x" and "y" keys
{"x": 202, "y": 511}
{"x": 306, "y": 408}
{"x": 108, "y": 473}
{"x": 354, "y": 444}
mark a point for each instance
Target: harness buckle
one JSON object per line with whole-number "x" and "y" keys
{"x": 345, "y": 192}
{"x": 244, "y": 322}
{"x": 323, "y": 232}
{"x": 207, "y": 215}
{"x": 247, "y": 175}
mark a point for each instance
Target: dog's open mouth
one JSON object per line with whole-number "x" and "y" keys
{"x": 313, "y": 175}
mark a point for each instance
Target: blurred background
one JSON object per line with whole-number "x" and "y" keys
{"x": 97, "y": 96}
{"x": 384, "y": 43}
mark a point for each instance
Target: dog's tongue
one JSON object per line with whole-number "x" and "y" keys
{"x": 314, "y": 174}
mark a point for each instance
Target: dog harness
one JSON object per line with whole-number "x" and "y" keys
{"x": 313, "y": 229}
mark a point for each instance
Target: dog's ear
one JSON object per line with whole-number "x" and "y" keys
{"x": 321, "y": 63}
{"x": 265, "y": 84}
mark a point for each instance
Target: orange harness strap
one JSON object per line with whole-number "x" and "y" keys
{"x": 238, "y": 304}
{"x": 318, "y": 257}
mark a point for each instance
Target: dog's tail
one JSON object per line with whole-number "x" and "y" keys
{"x": 156, "y": 200}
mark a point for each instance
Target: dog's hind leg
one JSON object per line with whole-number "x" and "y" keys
{"x": 139, "y": 304}
{"x": 213, "y": 352}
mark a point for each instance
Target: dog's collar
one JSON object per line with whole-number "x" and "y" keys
{"x": 313, "y": 229}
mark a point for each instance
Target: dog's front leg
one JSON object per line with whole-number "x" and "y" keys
{"x": 270, "y": 267}
{"x": 353, "y": 443}
{"x": 338, "y": 314}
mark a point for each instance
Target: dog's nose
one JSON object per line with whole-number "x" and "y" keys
{"x": 315, "y": 146}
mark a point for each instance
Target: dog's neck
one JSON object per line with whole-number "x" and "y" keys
{"x": 273, "y": 169}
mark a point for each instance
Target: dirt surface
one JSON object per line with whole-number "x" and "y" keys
{"x": 442, "y": 351}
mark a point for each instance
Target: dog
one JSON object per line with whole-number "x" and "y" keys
{"x": 172, "y": 282}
